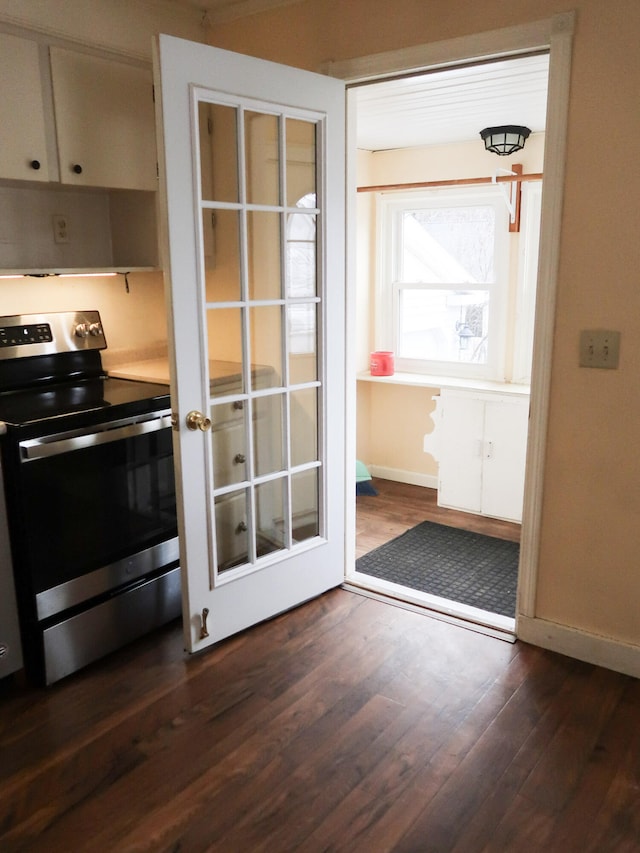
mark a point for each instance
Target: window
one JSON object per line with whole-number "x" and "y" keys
{"x": 443, "y": 267}
{"x": 301, "y": 276}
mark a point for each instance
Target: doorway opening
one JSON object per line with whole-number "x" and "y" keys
{"x": 419, "y": 150}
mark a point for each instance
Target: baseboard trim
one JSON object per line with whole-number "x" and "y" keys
{"x": 591, "y": 648}
{"x": 429, "y": 481}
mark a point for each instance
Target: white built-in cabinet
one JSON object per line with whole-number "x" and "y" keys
{"x": 105, "y": 124}
{"x": 23, "y": 140}
{"x": 480, "y": 443}
{"x": 77, "y": 147}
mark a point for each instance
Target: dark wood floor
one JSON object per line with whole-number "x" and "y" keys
{"x": 345, "y": 725}
{"x": 398, "y": 507}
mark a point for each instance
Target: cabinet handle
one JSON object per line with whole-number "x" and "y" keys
{"x": 77, "y": 168}
{"x": 239, "y": 458}
{"x": 35, "y": 164}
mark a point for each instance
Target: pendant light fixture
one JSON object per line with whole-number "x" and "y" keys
{"x": 506, "y": 139}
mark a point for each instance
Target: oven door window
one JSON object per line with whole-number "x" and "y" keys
{"x": 85, "y": 509}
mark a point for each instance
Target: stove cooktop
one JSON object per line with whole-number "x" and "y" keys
{"x": 24, "y": 407}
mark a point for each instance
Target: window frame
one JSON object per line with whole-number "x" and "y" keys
{"x": 389, "y": 209}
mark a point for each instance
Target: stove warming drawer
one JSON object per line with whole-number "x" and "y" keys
{"x": 82, "y": 639}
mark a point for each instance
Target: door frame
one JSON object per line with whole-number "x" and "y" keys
{"x": 556, "y": 35}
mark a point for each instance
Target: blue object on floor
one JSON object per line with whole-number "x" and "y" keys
{"x": 364, "y": 486}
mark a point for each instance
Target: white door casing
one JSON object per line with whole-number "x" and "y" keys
{"x": 272, "y": 377}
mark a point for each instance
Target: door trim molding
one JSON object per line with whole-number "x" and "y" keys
{"x": 556, "y": 35}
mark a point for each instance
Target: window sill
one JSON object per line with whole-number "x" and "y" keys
{"x": 423, "y": 380}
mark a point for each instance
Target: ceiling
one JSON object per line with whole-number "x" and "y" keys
{"x": 452, "y": 105}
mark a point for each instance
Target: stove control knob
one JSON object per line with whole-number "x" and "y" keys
{"x": 82, "y": 330}
{"x": 95, "y": 329}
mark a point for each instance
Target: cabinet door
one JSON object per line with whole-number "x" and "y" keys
{"x": 23, "y": 147}
{"x": 505, "y": 446}
{"x": 460, "y": 471}
{"x": 105, "y": 122}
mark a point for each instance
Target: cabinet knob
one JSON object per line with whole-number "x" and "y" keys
{"x": 239, "y": 458}
{"x": 77, "y": 168}
{"x": 35, "y": 164}
{"x": 242, "y": 527}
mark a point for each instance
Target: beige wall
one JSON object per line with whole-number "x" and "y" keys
{"x": 588, "y": 568}
{"x": 134, "y": 319}
{"x": 124, "y": 26}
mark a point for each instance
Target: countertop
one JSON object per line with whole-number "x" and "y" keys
{"x": 157, "y": 370}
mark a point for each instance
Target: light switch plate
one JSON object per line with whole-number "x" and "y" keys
{"x": 599, "y": 348}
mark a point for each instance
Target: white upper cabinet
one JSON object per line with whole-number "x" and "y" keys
{"x": 23, "y": 142}
{"x": 105, "y": 124}
{"x": 71, "y": 121}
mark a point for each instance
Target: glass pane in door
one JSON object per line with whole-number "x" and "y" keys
{"x": 221, "y": 255}
{"x": 263, "y": 251}
{"x": 268, "y": 434}
{"x": 266, "y": 346}
{"x": 225, "y": 331}
{"x": 263, "y": 304}
{"x": 305, "y": 505}
{"x": 270, "y": 513}
{"x": 301, "y": 160}
{"x": 218, "y": 146}
{"x": 262, "y": 158}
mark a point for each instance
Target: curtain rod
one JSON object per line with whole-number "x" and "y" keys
{"x": 533, "y": 176}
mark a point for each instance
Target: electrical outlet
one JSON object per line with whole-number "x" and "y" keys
{"x": 60, "y": 228}
{"x": 599, "y": 348}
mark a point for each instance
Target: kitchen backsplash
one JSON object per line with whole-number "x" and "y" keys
{"x": 134, "y": 320}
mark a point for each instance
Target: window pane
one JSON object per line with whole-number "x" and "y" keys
{"x": 224, "y": 330}
{"x": 301, "y": 254}
{"x": 301, "y": 159}
{"x": 262, "y": 158}
{"x": 270, "y": 517}
{"x": 263, "y": 237}
{"x": 304, "y": 426}
{"x": 301, "y": 329}
{"x": 229, "y": 443}
{"x": 232, "y": 540}
{"x": 218, "y": 152}
{"x": 266, "y": 346}
{"x": 446, "y": 245}
{"x": 221, "y": 247}
{"x": 443, "y": 325}
{"x": 268, "y": 436}
{"x": 305, "y": 521}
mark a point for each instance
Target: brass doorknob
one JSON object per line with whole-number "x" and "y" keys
{"x": 196, "y": 420}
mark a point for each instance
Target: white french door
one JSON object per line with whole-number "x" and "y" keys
{"x": 253, "y": 185}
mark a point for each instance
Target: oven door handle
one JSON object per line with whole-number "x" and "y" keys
{"x": 41, "y": 448}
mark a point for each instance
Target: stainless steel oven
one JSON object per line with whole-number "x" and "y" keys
{"x": 90, "y": 494}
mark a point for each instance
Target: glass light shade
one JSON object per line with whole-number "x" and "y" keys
{"x": 506, "y": 139}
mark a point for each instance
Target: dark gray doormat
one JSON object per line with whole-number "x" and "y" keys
{"x": 470, "y": 568}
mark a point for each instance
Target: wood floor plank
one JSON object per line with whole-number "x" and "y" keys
{"x": 344, "y": 725}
